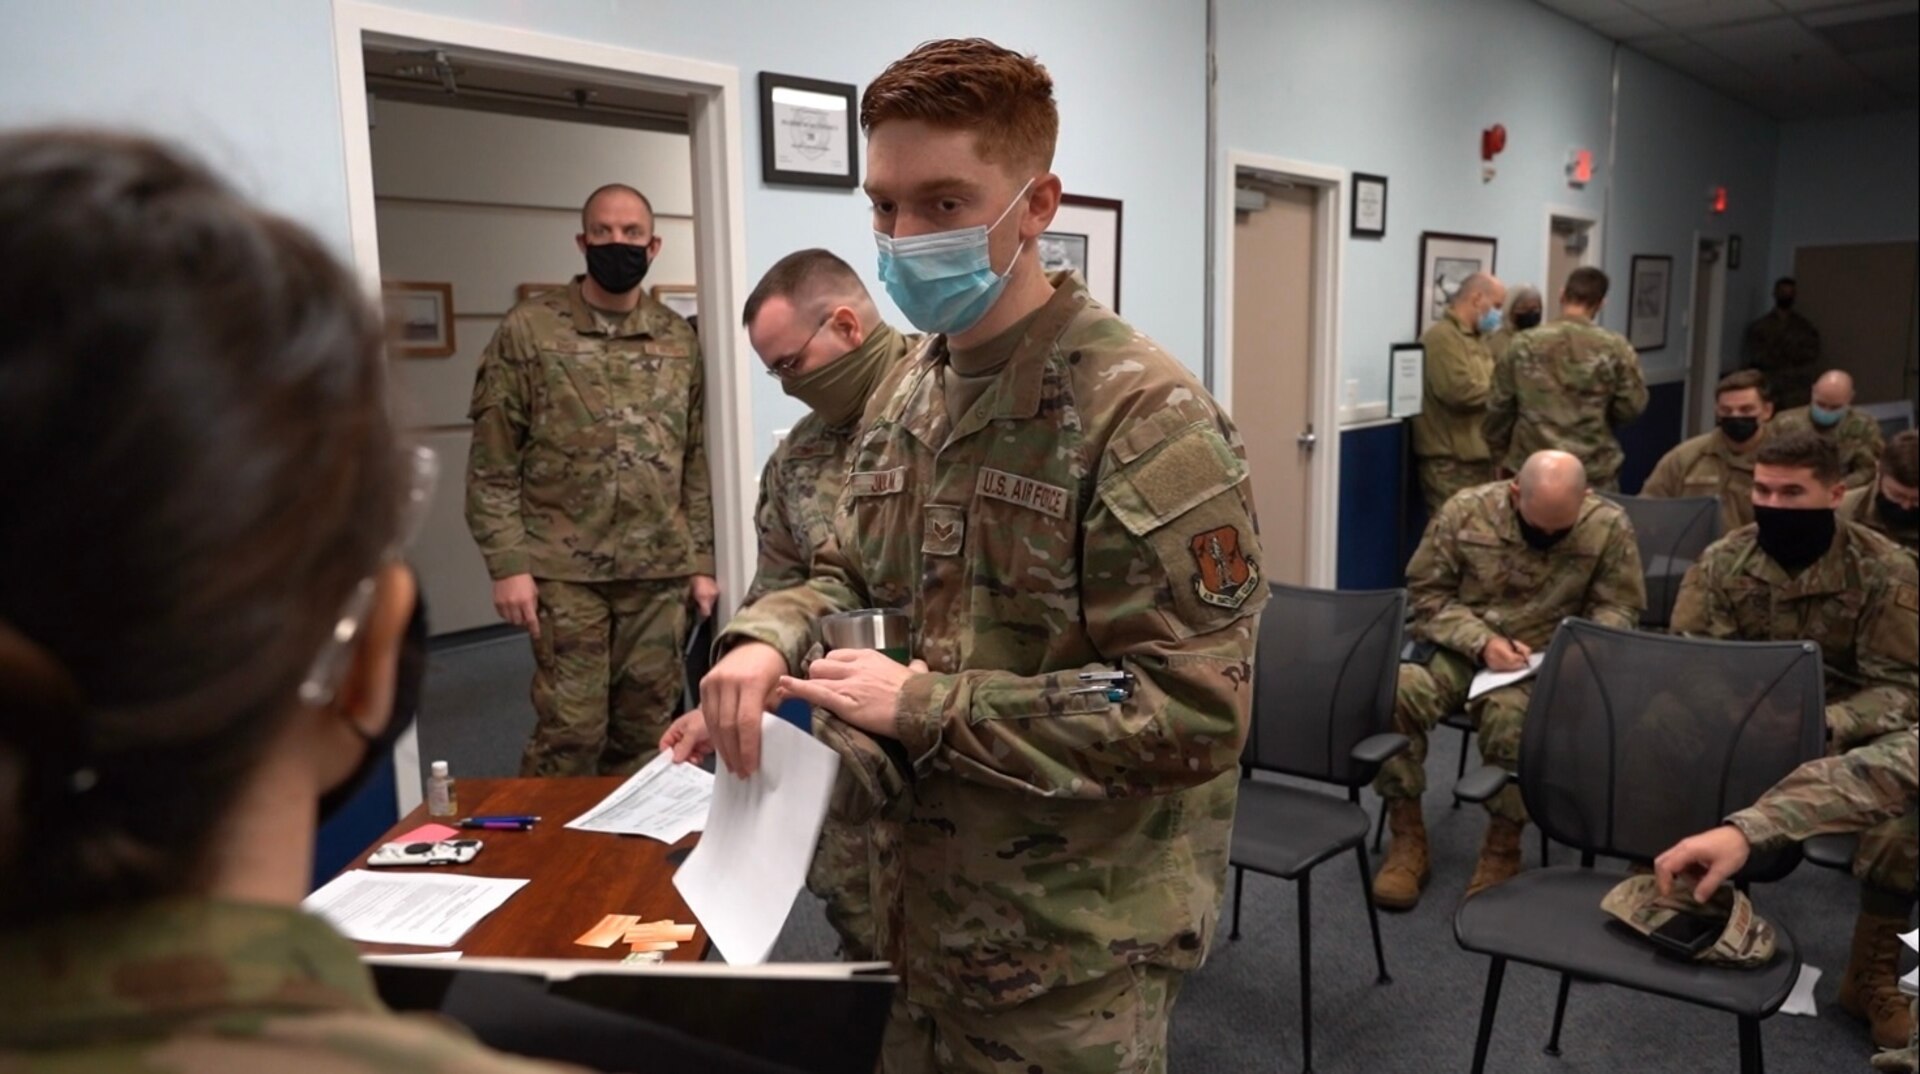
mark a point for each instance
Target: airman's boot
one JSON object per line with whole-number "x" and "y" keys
{"x": 1406, "y": 870}
{"x": 1870, "y": 990}
{"x": 1499, "y": 855}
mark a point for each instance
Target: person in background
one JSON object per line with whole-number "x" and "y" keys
{"x": 1832, "y": 414}
{"x": 1784, "y": 347}
{"x": 588, "y": 494}
{"x": 1525, "y": 310}
{"x": 1800, "y": 573}
{"x": 1501, "y": 565}
{"x": 1720, "y": 463}
{"x": 1891, "y": 504}
{"x": 204, "y": 658}
{"x": 1566, "y": 387}
{"x": 1449, "y": 449}
{"x": 817, "y": 330}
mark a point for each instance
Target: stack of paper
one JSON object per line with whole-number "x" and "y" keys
{"x": 427, "y": 909}
{"x": 663, "y": 801}
{"x": 1489, "y": 681}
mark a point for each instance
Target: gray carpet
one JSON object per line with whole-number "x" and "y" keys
{"x": 1241, "y": 1012}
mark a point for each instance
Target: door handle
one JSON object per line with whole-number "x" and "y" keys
{"x": 1308, "y": 439}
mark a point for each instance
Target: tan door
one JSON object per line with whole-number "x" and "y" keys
{"x": 1565, "y": 252}
{"x": 1273, "y": 367}
{"x": 1860, "y": 297}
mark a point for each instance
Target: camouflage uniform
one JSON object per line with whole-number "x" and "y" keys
{"x": 1064, "y": 854}
{"x": 1707, "y": 465}
{"x": 1857, "y": 438}
{"x": 589, "y": 471}
{"x": 1565, "y": 386}
{"x": 1862, "y": 506}
{"x": 1786, "y": 347}
{"x": 212, "y": 987}
{"x": 1474, "y": 577}
{"x": 1450, "y": 450}
{"x": 1860, "y": 603}
{"x": 856, "y": 866}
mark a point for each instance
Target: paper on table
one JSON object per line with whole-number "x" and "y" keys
{"x": 743, "y": 877}
{"x": 663, "y": 800}
{"x": 1488, "y": 681}
{"x": 423, "y": 956}
{"x": 1800, "y": 999}
{"x": 427, "y": 909}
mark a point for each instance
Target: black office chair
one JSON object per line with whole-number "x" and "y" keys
{"x": 1322, "y": 710}
{"x": 1671, "y": 534}
{"x": 1632, "y": 742}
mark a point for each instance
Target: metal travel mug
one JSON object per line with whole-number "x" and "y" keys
{"x": 888, "y": 630}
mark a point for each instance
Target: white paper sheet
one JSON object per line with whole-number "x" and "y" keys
{"x": 426, "y": 909}
{"x": 663, "y": 801}
{"x": 1800, "y": 999}
{"x": 743, "y": 877}
{"x": 1493, "y": 680}
{"x": 1910, "y": 984}
{"x": 424, "y": 956}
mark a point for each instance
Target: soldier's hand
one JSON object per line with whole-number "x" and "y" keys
{"x": 861, "y": 686}
{"x": 517, "y": 600}
{"x": 704, "y": 592}
{"x": 733, "y": 695}
{"x": 1501, "y": 654}
{"x": 1715, "y": 855}
{"x": 688, "y": 739}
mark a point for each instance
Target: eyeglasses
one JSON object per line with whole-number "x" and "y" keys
{"x": 785, "y": 367}
{"x": 330, "y": 663}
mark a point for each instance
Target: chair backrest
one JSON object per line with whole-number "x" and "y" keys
{"x": 1323, "y": 678}
{"x": 1671, "y": 535}
{"x": 1634, "y": 741}
{"x": 1893, "y": 417}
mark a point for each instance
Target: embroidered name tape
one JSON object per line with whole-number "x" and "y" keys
{"x": 877, "y": 482}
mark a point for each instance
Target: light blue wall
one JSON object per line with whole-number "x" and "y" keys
{"x": 1846, "y": 180}
{"x": 253, "y": 86}
{"x": 1403, "y": 90}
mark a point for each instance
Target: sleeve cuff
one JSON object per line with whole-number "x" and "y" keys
{"x": 919, "y": 719}
{"x": 1468, "y": 639}
{"x": 507, "y": 564}
{"x": 745, "y": 627}
{"x": 703, "y": 563}
{"x": 1761, "y": 832}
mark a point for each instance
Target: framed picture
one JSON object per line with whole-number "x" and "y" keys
{"x": 1446, "y": 260}
{"x": 419, "y": 318}
{"x": 806, "y": 132}
{"x": 1407, "y": 376}
{"x": 1733, "y": 252}
{"x": 681, "y": 298}
{"x": 528, "y": 290}
{"x": 1085, "y": 237}
{"x": 1647, "y": 302}
{"x": 1369, "y": 206}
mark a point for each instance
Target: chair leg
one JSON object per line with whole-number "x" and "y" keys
{"x": 1460, "y": 772}
{"x": 1379, "y": 828}
{"x": 1751, "y": 1059}
{"x": 1544, "y": 860}
{"x": 1239, "y": 880}
{"x": 1489, "y": 1004}
{"x": 1559, "y": 1015}
{"x": 1373, "y": 914}
{"x": 1306, "y": 969}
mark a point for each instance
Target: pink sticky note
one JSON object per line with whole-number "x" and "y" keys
{"x": 429, "y": 833}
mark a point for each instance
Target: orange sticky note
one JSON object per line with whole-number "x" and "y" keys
{"x": 609, "y": 931}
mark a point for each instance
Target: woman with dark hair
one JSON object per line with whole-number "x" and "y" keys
{"x": 202, "y": 617}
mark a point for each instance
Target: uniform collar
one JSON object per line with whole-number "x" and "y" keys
{"x": 132, "y": 973}
{"x": 1507, "y": 521}
{"x": 1824, "y": 577}
{"x": 641, "y": 320}
{"x": 1465, "y": 328}
{"x": 1724, "y": 448}
{"x": 1016, "y": 394}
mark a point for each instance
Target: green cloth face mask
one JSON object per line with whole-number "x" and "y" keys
{"x": 838, "y": 390}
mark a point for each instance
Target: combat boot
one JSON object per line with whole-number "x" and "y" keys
{"x": 1499, "y": 855}
{"x": 1406, "y": 871}
{"x": 1870, "y": 989}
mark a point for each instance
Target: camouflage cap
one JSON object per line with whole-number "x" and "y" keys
{"x": 1747, "y": 939}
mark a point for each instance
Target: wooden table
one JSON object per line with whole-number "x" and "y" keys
{"x": 573, "y": 878}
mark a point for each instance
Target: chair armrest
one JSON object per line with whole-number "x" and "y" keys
{"x": 1482, "y": 783}
{"x": 1379, "y": 749}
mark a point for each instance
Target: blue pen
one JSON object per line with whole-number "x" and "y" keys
{"x": 505, "y": 818}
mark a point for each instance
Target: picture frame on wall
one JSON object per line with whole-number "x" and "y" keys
{"x": 1649, "y": 298}
{"x": 419, "y": 318}
{"x": 1085, "y": 238}
{"x": 1369, "y": 206}
{"x": 807, "y": 134}
{"x": 1406, "y": 379}
{"x": 681, "y": 298}
{"x": 1446, "y": 260}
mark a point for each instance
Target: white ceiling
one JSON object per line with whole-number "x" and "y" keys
{"x": 1792, "y": 59}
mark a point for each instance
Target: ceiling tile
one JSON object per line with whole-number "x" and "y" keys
{"x": 1825, "y": 6}
{"x": 1628, "y": 27}
{"x": 1588, "y": 10}
{"x": 1761, "y": 43}
{"x": 1893, "y": 66}
{"x": 1688, "y": 14}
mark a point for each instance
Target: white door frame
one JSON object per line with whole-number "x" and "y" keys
{"x": 1323, "y": 536}
{"x": 715, "y": 107}
{"x": 1594, "y": 254}
{"x": 1697, "y": 409}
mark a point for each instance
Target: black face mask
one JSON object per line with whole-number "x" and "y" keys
{"x": 409, "y": 672}
{"x": 618, "y": 267}
{"x": 1795, "y": 537}
{"x": 1524, "y": 321}
{"x": 1784, "y": 302}
{"x": 1896, "y": 515}
{"x": 1740, "y": 430}
{"x": 1538, "y": 539}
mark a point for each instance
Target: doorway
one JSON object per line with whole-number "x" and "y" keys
{"x": 1281, "y": 266}
{"x": 1571, "y": 244}
{"x": 1861, "y": 296}
{"x": 1705, "y": 312}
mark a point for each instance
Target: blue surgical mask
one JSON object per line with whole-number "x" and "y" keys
{"x": 944, "y": 281}
{"x": 1490, "y": 321}
{"x": 1824, "y": 418}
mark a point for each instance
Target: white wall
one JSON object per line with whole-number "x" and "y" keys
{"x": 487, "y": 202}
{"x": 1846, "y": 181}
